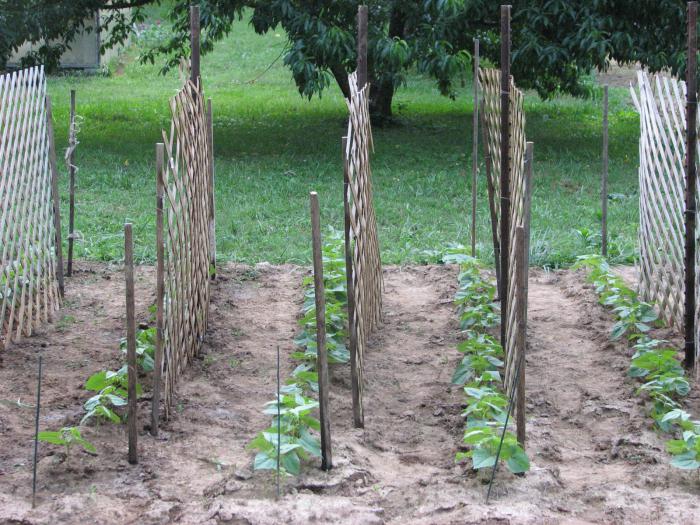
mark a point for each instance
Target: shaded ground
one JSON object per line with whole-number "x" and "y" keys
{"x": 594, "y": 456}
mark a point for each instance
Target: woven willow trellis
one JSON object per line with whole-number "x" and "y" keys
{"x": 366, "y": 260}
{"x": 516, "y": 315}
{"x": 29, "y": 293}
{"x": 660, "y": 102}
{"x": 187, "y": 202}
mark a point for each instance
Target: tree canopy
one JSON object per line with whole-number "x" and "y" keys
{"x": 557, "y": 44}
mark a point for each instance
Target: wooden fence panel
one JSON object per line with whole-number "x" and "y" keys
{"x": 660, "y": 102}
{"x": 516, "y": 280}
{"x": 29, "y": 292}
{"x": 187, "y": 239}
{"x": 366, "y": 261}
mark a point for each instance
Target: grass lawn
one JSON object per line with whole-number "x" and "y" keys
{"x": 272, "y": 147}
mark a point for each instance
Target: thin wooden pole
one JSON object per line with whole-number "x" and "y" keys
{"x": 36, "y": 431}
{"x": 527, "y": 203}
{"x": 362, "y": 16}
{"x": 130, "y": 341}
{"x": 55, "y": 197}
{"x": 690, "y": 182}
{"x": 604, "y": 185}
{"x": 321, "y": 356}
{"x": 71, "y": 172}
{"x": 475, "y": 142}
{"x": 212, "y": 200}
{"x": 194, "y": 40}
{"x": 160, "y": 288}
{"x": 357, "y": 411}
{"x": 505, "y": 164}
{"x": 523, "y": 254}
{"x": 492, "y": 204}
{"x": 521, "y": 333}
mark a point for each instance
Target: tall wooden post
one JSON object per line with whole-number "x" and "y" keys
{"x": 361, "y": 46}
{"x": 71, "y": 173}
{"x": 194, "y": 41}
{"x": 55, "y": 196}
{"x": 357, "y": 410}
{"x": 475, "y": 142}
{"x": 690, "y": 182}
{"x": 604, "y": 181}
{"x": 321, "y": 355}
{"x": 160, "y": 290}
{"x": 131, "y": 342}
{"x": 505, "y": 165}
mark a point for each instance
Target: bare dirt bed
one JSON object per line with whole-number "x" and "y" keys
{"x": 595, "y": 458}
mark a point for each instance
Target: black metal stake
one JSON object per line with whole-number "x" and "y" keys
{"x": 36, "y": 432}
{"x": 511, "y": 401}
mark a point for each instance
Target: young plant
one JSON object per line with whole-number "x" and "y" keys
{"x": 484, "y": 442}
{"x": 103, "y": 405}
{"x": 296, "y": 442}
{"x": 67, "y": 437}
{"x": 145, "y": 348}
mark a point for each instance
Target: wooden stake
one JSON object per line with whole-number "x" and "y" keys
{"x": 357, "y": 411}
{"x": 527, "y": 201}
{"x": 36, "y": 431}
{"x": 194, "y": 41}
{"x": 690, "y": 182}
{"x": 505, "y": 165}
{"x": 604, "y": 185}
{"x": 523, "y": 254}
{"x": 521, "y": 333}
{"x": 130, "y": 341}
{"x": 362, "y": 46}
{"x": 475, "y": 142}
{"x": 160, "y": 290}
{"x": 321, "y": 356}
{"x": 71, "y": 171}
{"x": 212, "y": 201}
{"x": 55, "y": 196}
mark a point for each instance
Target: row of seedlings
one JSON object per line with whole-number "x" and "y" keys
{"x": 481, "y": 373}
{"x": 655, "y": 364}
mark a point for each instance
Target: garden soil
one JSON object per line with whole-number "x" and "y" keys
{"x": 595, "y": 457}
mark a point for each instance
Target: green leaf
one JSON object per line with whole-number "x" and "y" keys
{"x": 687, "y": 461}
{"x": 518, "y": 462}
{"x": 676, "y": 447}
{"x": 264, "y": 462}
{"x": 482, "y": 458}
{"x": 291, "y": 463}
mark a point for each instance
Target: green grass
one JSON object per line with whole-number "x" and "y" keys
{"x": 272, "y": 147}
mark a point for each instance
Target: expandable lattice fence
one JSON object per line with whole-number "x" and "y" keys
{"x": 366, "y": 261}
{"x": 187, "y": 186}
{"x": 518, "y": 248}
{"x": 660, "y": 102}
{"x": 29, "y": 291}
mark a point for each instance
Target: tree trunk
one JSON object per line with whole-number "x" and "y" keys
{"x": 382, "y": 93}
{"x": 380, "y": 98}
